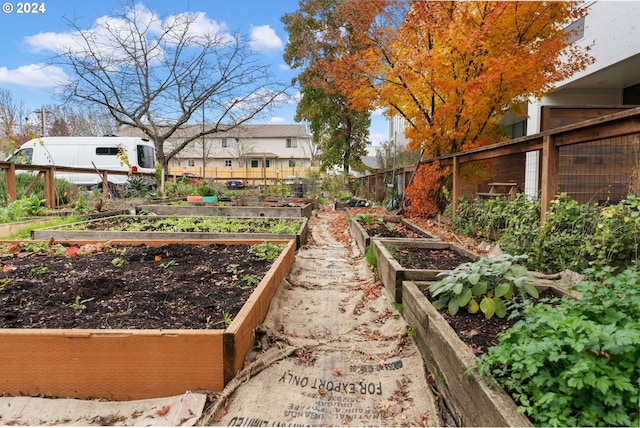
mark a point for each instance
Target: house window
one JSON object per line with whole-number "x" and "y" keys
{"x": 254, "y": 163}
{"x": 267, "y": 163}
{"x": 292, "y": 143}
{"x": 227, "y": 142}
{"x": 227, "y": 162}
{"x": 292, "y": 163}
{"x": 191, "y": 162}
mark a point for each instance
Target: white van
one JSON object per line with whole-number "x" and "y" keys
{"x": 89, "y": 152}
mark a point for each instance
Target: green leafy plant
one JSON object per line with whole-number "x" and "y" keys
{"x": 483, "y": 285}
{"x": 250, "y": 280}
{"x": 266, "y": 251}
{"x": 234, "y": 269}
{"x": 366, "y": 218}
{"x": 79, "y": 305}
{"x": 575, "y": 363}
{"x": 117, "y": 262}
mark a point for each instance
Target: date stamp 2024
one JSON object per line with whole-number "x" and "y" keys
{"x": 24, "y": 8}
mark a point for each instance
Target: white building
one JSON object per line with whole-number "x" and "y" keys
{"x": 612, "y": 30}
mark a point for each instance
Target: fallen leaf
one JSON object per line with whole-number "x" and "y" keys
{"x": 8, "y": 268}
{"x": 163, "y": 411}
{"x": 158, "y": 258}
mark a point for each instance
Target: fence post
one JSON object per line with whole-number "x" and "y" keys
{"x": 11, "y": 183}
{"x": 49, "y": 188}
{"x": 550, "y": 161}
{"x": 456, "y": 187}
{"x": 105, "y": 185}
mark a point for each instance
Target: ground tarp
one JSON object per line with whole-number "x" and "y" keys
{"x": 339, "y": 353}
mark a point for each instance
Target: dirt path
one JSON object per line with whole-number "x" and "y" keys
{"x": 334, "y": 349}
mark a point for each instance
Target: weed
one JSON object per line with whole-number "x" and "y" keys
{"x": 234, "y": 269}
{"x": 77, "y": 305}
{"x": 251, "y": 280}
{"x": 117, "y": 262}
{"x": 39, "y": 270}
{"x": 370, "y": 257}
{"x": 397, "y": 306}
{"x": 168, "y": 264}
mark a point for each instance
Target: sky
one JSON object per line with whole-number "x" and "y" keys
{"x": 26, "y": 40}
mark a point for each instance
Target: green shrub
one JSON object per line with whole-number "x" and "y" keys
{"x": 560, "y": 244}
{"x": 576, "y": 363}
{"x": 616, "y": 235}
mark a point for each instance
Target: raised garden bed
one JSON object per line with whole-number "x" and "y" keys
{"x": 474, "y": 400}
{"x": 387, "y": 226}
{"x": 112, "y": 360}
{"x": 175, "y": 228}
{"x": 422, "y": 260}
{"x": 267, "y": 210}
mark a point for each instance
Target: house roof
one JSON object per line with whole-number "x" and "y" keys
{"x": 241, "y": 131}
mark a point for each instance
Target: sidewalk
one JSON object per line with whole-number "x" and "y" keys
{"x": 337, "y": 351}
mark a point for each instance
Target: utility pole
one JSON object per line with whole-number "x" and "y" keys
{"x": 42, "y": 112}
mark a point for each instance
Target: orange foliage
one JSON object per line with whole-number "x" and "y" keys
{"x": 423, "y": 196}
{"x": 452, "y": 68}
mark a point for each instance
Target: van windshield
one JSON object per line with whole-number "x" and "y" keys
{"x": 23, "y": 156}
{"x": 146, "y": 157}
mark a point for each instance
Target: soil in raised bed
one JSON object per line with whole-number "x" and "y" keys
{"x": 391, "y": 230}
{"x": 428, "y": 258}
{"x": 168, "y": 287}
{"x": 478, "y": 333}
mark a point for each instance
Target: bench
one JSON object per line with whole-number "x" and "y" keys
{"x": 500, "y": 190}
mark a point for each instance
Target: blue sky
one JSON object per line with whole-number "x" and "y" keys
{"x": 25, "y": 39}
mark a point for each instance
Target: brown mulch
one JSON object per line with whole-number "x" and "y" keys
{"x": 169, "y": 287}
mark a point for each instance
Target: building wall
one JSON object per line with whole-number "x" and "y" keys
{"x": 611, "y": 28}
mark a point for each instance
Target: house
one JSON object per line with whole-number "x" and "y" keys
{"x": 248, "y": 152}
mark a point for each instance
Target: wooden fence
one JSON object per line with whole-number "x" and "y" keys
{"x": 48, "y": 173}
{"x": 593, "y": 160}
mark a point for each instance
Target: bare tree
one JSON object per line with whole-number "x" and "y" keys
{"x": 14, "y": 128}
{"x": 67, "y": 120}
{"x": 155, "y": 74}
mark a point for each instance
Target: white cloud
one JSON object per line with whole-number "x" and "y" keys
{"x": 33, "y": 76}
{"x": 101, "y": 34}
{"x": 376, "y": 139}
{"x": 284, "y": 67}
{"x": 265, "y": 39}
{"x": 276, "y": 120}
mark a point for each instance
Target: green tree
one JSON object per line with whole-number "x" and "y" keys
{"x": 339, "y": 128}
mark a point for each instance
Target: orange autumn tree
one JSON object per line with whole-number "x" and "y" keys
{"x": 453, "y": 69}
